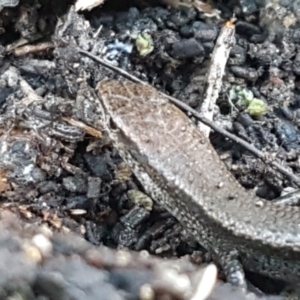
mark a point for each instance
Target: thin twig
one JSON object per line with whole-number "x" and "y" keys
{"x": 110, "y": 66}
{"x": 207, "y": 122}
{"x": 216, "y": 72}
{"x": 90, "y": 130}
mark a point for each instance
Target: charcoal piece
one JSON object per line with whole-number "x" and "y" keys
{"x": 124, "y": 237}
{"x": 296, "y": 36}
{"x": 94, "y": 186}
{"x": 180, "y": 18}
{"x": 48, "y": 186}
{"x": 5, "y": 92}
{"x": 99, "y": 165}
{"x": 125, "y": 20}
{"x": 246, "y": 28}
{"x": 159, "y": 15}
{"x": 96, "y": 233}
{"x": 77, "y": 202}
{"x": 74, "y": 184}
{"x": 135, "y": 217}
{"x": 248, "y": 6}
{"x": 265, "y": 54}
{"x": 189, "y": 48}
{"x": 238, "y": 55}
{"x": 296, "y": 65}
{"x": 244, "y": 72}
{"x": 287, "y": 135}
{"x": 208, "y": 47}
{"x": 245, "y": 120}
{"x": 200, "y": 30}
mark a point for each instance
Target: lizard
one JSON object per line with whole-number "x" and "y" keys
{"x": 179, "y": 168}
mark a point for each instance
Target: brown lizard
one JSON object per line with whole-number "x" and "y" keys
{"x": 179, "y": 168}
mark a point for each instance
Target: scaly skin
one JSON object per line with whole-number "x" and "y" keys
{"x": 180, "y": 169}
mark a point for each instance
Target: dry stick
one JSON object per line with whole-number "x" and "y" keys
{"x": 199, "y": 116}
{"x": 216, "y": 72}
{"x": 28, "y": 49}
{"x": 91, "y": 131}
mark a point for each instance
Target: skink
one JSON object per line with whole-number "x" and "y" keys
{"x": 179, "y": 168}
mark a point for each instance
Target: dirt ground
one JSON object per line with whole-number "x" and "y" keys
{"x": 62, "y": 180}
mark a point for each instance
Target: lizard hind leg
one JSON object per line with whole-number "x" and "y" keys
{"x": 232, "y": 267}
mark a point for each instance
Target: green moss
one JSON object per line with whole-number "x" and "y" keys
{"x": 144, "y": 44}
{"x": 244, "y": 99}
{"x": 257, "y": 107}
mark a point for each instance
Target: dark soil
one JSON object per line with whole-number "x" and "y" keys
{"x": 59, "y": 176}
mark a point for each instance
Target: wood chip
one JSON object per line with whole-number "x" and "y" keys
{"x": 216, "y": 72}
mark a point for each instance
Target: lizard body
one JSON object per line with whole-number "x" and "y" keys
{"x": 180, "y": 169}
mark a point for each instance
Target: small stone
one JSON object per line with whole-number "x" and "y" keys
{"x": 189, "y": 48}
